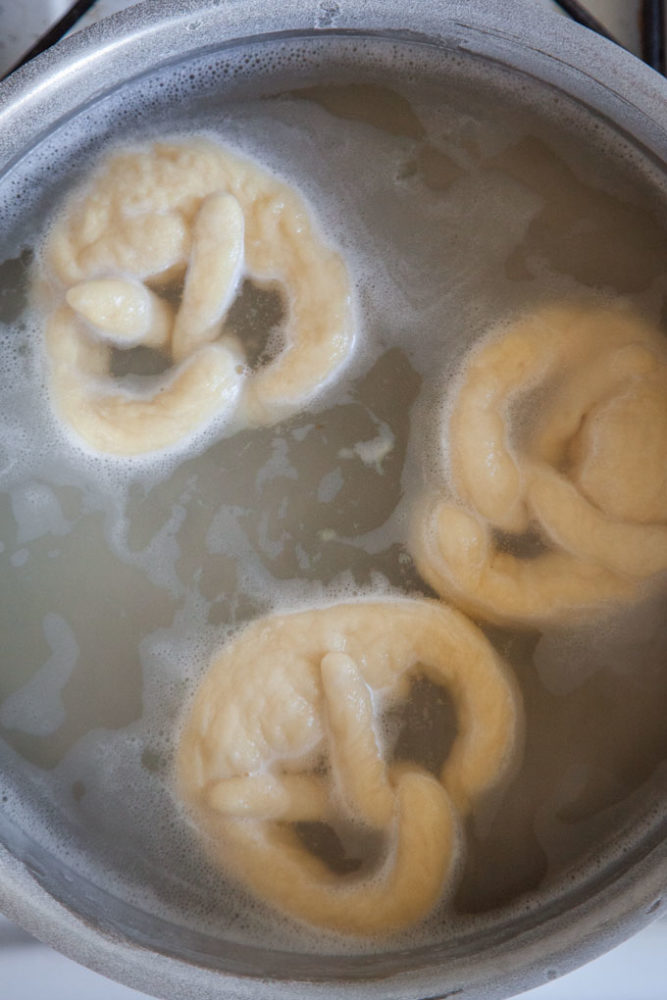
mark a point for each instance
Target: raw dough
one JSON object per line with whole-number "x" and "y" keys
{"x": 589, "y": 473}
{"x": 198, "y": 213}
{"x": 285, "y": 728}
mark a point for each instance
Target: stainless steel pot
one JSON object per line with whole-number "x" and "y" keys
{"x": 38, "y": 889}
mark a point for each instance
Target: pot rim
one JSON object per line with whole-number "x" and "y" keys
{"x": 589, "y": 69}
{"x": 59, "y": 82}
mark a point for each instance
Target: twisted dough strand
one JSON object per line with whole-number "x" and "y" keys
{"x": 576, "y": 525}
{"x": 457, "y": 556}
{"x": 122, "y": 423}
{"x": 356, "y": 759}
{"x": 124, "y": 312}
{"x": 213, "y": 275}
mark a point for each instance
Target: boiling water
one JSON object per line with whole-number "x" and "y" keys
{"x": 457, "y": 201}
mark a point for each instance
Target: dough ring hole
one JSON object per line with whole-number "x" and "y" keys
{"x": 426, "y": 723}
{"x": 344, "y": 846}
{"x": 140, "y": 361}
{"x": 169, "y": 288}
{"x": 345, "y": 849}
{"x": 526, "y": 546}
{"x": 256, "y": 319}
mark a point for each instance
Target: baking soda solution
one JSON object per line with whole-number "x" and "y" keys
{"x": 459, "y": 199}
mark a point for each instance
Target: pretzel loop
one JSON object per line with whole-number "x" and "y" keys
{"x": 205, "y": 217}
{"x": 286, "y": 728}
{"x": 588, "y": 473}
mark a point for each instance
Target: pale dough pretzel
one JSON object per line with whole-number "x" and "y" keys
{"x": 589, "y": 474}
{"x": 198, "y": 212}
{"x": 284, "y": 728}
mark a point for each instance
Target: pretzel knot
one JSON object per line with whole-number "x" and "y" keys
{"x": 585, "y": 469}
{"x": 202, "y": 217}
{"x": 285, "y": 728}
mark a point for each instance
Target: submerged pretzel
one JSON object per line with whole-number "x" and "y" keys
{"x": 200, "y": 214}
{"x": 285, "y": 729}
{"x": 589, "y": 474}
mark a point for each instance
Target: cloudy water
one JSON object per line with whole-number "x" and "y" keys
{"x": 457, "y": 202}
